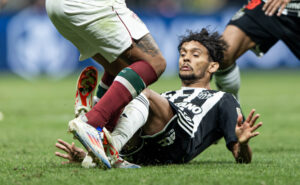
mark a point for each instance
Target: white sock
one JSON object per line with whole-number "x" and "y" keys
{"x": 229, "y": 80}
{"x": 133, "y": 117}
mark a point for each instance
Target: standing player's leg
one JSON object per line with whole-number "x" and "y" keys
{"x": 146, "y": 64}
{"x": 126, "y": 39}
{"x": 228, "y": 77}
{"x": 110, "y": 72}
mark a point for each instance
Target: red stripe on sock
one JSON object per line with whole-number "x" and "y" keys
{"x": 145, "y": 71}
{"x": 115, "y": 99}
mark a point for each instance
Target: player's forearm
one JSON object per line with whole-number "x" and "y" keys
{"x": 242, "y": 153}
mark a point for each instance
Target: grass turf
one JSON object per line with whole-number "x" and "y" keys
{"x": 36, "y": 114}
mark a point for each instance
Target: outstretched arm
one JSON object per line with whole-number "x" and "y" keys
{"x": 73, "y": 153}
{"x": 244, "y": 132}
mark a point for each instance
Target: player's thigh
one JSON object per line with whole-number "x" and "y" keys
{"x": 238, "y": 43}
{"x": 68, "y": 25}
{"x": 290, "y": 29}
{"x": 123, "y": 37}
{"x": 160, "y": 112}
{"x": 144, "y": 49}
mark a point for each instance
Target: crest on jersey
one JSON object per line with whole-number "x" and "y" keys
{"x": 238, "y": 14}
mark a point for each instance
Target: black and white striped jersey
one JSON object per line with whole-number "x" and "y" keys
{"x": 194, "y": 106}
{"x": 201, "y": 117}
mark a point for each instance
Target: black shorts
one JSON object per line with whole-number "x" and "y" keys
{"x": 265, "y": 31}
{"x": 165, "y": 147}
{"x": 174, "y": 145}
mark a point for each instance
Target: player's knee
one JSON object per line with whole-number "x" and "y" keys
{"x": 147, "y": 92}
{"x": 229, "y": 59}
{"x": 159, "y": 64}
{"x": 228, "y": 80}
{"x": 162, "y": 66}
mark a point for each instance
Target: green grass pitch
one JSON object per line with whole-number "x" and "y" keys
{"x": 36, "y": 114}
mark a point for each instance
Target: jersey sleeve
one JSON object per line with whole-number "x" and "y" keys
{"x": 228, "y": 113}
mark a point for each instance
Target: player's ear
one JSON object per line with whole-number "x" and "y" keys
{"x": 213, "y": 67}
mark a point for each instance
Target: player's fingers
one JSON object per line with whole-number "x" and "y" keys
{"x": 266, "y": 5}
{"x": 282, "y": 7}
{"x": 254, "y": 134}
{"x": 253, "y": 120}
{"x": 62, "y": 147}
{"x": 256, "y": 126}
{"x": 68, "y": 146}
{"x": 250, "y": 115}
{"x": 66, "y": 162}
{"x": 274, "y": 8}
{"x": 63, "y": 143}
{"x": 65, "y": 156}
{"x": 270, "y": 7}
{"x": 72, "y": 147}
{"x": 75, "y": 149}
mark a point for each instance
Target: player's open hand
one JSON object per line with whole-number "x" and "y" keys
{"x": 271, "y": 6}
{"x": 73, "y": 153}
{"x": 245, "y": 131}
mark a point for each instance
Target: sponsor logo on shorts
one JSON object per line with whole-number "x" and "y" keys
{"x": 169, "y": 139}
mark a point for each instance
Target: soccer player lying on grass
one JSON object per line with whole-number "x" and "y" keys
{"x": 182, "y": 123}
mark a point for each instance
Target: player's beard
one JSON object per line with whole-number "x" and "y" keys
{"x": 191, "y": 77}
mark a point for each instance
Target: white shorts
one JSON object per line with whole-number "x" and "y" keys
{"x": 96, "y": 26}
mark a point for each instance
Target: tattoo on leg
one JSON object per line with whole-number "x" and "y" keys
{"x": 148, "y": 45}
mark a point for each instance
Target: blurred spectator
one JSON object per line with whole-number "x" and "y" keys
{"x": 2, "y": 3}
{"x": 168, "y": 8}
{"x": 38, "y": 5}
{"x": 14, "y": 5}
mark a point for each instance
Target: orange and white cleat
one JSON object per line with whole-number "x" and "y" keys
{"x": 91, "y": 140}
{"x": 86, "y": 85}
{"x": 112, "y": 154}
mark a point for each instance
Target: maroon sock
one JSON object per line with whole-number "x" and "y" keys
{"x": 120, "y": 94}
{"x": 107, "y": 78}
{"x": 113, "y": 121}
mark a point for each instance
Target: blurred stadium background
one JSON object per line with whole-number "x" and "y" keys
{"x": 30, "y": 46}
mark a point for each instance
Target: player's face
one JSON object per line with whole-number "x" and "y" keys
{"x": 193, "y": 61}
